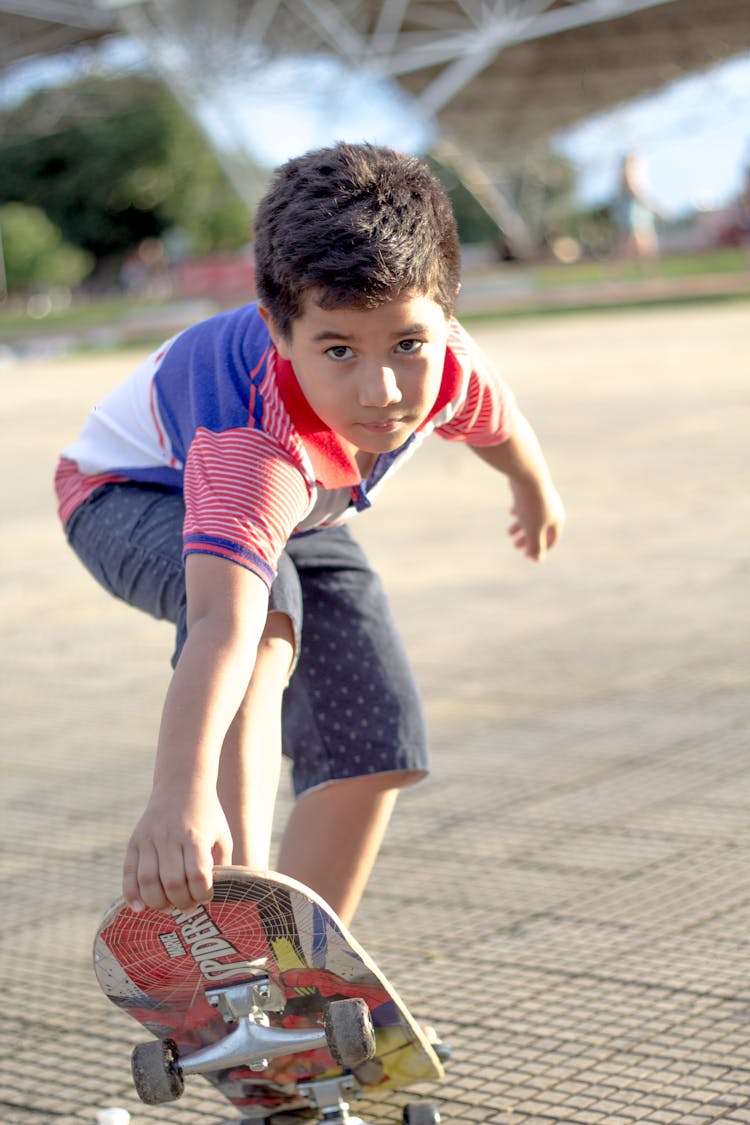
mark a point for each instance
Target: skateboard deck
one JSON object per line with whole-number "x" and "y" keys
{"x": 165, "y": 970}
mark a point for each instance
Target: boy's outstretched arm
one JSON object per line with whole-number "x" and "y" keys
{"x": 538, "y": 512}
{"x": 183, "y": 830}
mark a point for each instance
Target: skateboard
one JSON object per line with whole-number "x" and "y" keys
{"x": 265, "y": 993}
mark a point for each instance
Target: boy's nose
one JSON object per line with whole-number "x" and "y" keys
{"x": 379, "y": 387}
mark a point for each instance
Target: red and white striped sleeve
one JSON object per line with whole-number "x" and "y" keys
{"x": 244, "y": 496}
{"x": 487, "y": 414}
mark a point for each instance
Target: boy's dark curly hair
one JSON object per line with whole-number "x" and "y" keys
{"x": 358, "y": 223}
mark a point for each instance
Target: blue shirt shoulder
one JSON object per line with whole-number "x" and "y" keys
{"x": 204, "y": 378}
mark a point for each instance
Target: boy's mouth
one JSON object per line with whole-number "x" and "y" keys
{"x": 385, "y": 426}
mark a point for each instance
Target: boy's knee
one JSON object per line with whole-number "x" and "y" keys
{"x": 278, "y": 629}
{"x": 401, "y": 779}
{"x": 384, "y": 782}
{"x": 277, "y": 641}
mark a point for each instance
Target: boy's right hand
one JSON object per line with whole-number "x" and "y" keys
{"x": 170, "y": 857}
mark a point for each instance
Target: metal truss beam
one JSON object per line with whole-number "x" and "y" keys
{"x": 70, "y": 13}
{"x": 450, "y": 58}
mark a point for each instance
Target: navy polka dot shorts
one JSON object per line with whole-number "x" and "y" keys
{"x": 352, "y": 706}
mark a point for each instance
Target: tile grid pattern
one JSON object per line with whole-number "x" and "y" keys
{"x": 568, "y": 897}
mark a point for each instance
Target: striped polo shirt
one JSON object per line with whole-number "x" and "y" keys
{"x": 217, "y": 414}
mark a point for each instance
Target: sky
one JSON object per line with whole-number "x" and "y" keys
{"x": 692, "y": 138}
{"x": 305, "y": 103}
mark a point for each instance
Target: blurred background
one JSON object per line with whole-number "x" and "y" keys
{"x": 597, "y": 151}
{"x": 582, "y": 860}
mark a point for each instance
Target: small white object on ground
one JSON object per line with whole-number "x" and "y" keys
{"x": 112, "y": 1117}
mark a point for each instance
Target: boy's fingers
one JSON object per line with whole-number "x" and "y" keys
{"x": 152, "y": 887}
{"x": 535, "y": 546}
{"x": 130, "y": 889}
{"x": 222, "y": 851}
{"x": 186, "y": 876}
{"x": 172, "y": 872}
{"x": 199, "y": 873}
{"x": 141, "y": 885}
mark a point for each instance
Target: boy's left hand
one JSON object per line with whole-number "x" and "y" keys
{"x": 539, "y": 517}
{"x": 537, "y": 507}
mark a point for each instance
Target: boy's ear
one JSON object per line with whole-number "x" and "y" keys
{"x": 279, "y": 340}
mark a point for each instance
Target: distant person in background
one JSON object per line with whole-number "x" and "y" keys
{"x": 635, "y": 214}
{"x": 145, "y": 271}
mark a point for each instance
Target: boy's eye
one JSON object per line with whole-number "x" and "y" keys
{"x": 340, "y": 351}
{"x": 409, "y": 347}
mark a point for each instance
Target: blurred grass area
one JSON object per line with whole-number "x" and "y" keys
{"x": 555, "y": 275}
{"x": 100, "y": 322}
{"x": 88, "y": 312}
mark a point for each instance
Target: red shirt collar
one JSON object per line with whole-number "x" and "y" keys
{"x": 332, "y": 456}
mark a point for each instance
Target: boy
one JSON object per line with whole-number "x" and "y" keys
{"x": 214, "y": 486}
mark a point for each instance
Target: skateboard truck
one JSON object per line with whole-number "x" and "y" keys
{"x": 328, "y": 1096}
{"x": 159, "y": 1070}
{"x": 252, "y": 1042}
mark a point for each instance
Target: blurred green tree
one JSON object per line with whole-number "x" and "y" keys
{"x": 112, "y": 161}
{"x": 34, "y": 253}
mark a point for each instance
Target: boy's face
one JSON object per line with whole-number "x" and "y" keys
{"x": 372, "y": 375}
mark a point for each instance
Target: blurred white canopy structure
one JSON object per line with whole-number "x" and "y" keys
{"x": 492, "y": 76}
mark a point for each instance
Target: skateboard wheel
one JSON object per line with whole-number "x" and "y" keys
{"x": 349, "y": 1031}
{"x": 156, "y": 1073}
{"x": 421, "y": 1113}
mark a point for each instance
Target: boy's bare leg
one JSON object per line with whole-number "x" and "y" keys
{"x": 251, "y": 755}
{"x": 334, "y": 835}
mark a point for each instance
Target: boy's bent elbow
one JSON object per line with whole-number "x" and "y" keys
{"x": 226, "y": 596}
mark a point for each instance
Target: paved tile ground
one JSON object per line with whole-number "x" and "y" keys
{"x": 568, "y": 898}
